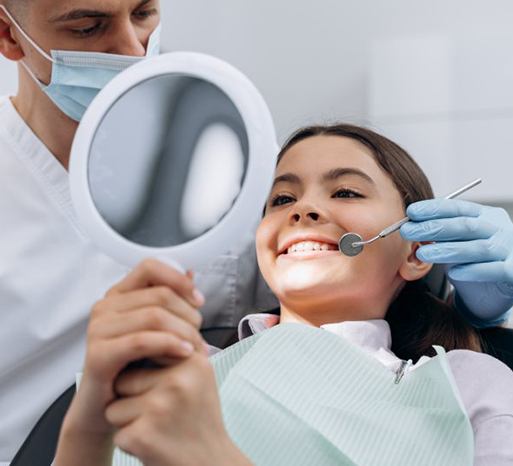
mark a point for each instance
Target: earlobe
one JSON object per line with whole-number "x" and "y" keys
{"x": 9, "y": 46}
{"x": 413, "y": 268}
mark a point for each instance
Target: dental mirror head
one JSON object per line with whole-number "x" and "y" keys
{"x": 351, "y": 244}
{"x": 172, "y": 160}
{"x": 347, "y": 244}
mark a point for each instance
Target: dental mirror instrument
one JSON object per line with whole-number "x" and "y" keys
{"x": 351, "y": 244}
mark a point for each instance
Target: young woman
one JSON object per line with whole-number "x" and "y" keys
{"x": 327, "y": 365}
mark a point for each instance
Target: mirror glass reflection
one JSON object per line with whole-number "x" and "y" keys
{"x": 168, "y": 160}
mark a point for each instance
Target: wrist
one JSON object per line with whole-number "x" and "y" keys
{"x": 234, "y": 456}
{"x": 79, "y": 447}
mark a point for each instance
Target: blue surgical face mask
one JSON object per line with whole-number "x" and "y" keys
{"x": 77, "y": 77}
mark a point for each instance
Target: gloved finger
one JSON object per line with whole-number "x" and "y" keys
{"x": 462, "y": 252}
{"x": 484, "y": 272}
{"x": 432, "y": 209}
{"x": 448, "y": 229}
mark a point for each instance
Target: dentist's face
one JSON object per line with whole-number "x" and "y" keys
{"x": 109, "y": 26}
{"x": 326, "y": 186}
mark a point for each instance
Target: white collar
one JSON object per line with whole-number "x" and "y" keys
{"x": 372, "y": 336}
{"x": 369, "y": 334}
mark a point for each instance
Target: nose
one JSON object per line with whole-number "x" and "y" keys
{"x": 130, "y": 41}
{"x": 306, "y": 213}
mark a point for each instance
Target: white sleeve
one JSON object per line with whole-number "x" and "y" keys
{"x": 486, "y": 389}
{"x": 493, "y": 442}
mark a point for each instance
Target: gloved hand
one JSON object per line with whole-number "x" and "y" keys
{"x": 476, "y": 243}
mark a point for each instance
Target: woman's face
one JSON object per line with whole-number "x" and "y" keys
{"x": 327, "y": 186}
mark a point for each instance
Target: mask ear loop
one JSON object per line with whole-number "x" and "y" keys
{"x": 27, "y": 37}
{"x": 32, "y": 75}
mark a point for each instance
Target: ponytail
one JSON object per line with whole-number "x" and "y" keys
{"x": 419, "y": 320}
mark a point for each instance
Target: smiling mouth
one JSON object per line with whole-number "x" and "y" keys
{"x": 309, "y": 248}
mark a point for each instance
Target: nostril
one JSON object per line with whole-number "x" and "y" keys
{"x": 313, "y": 216}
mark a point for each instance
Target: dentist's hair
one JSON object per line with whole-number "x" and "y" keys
{"x": 417, "y": 318}
{"x": 16, "y": 7}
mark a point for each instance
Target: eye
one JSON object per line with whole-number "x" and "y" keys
{"x": 281, "y": 199}
{"x": 89, "y": 31}
{"x": 345, "y": 193}
{"x": 145, "y": 14}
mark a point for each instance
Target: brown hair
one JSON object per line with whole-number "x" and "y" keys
{"x": 417, "y": 318}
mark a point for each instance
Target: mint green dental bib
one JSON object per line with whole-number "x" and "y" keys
{"x": 299, "y": 395}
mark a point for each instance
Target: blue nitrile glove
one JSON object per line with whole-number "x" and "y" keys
{"x": 476, "y": 242}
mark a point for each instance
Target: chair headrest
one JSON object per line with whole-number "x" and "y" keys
{"x": 436, "y": 281}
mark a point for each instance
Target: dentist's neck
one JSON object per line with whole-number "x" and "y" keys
{"x": 48, "y": 123}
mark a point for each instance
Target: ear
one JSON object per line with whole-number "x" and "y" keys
{"x": 412, "y": 267}
{"x": 9, "y": 45}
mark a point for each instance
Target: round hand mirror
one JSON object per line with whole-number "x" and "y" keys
{"x": 172, "y": 160}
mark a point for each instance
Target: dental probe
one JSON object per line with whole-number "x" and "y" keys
{"x": 351, "y": 244}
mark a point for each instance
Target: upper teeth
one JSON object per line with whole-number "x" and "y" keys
{"x": 310, "y": 246}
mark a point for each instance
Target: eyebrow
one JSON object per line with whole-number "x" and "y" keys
{"x": 339, "y": 172}
{"x": 73, "y": 15}
{"x": 331, "y": 175}
{"x": 287, "y": 178}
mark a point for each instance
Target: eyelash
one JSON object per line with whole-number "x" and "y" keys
{"x": 352, "y": 195}
{"x": 145, "y": 14}
{"x": 87, "y": 32}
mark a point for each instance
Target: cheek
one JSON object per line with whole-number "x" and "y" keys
{"x": 381, "y": 259}
{"x": 39, "y": 65}
{"x": 354, "y": 219}
{"x": 367, "y": 220}
{"x": 266, "y": 239}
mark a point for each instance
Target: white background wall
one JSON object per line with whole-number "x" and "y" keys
{"x": 436, "y": 76}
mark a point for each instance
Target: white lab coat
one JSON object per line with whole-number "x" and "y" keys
{"x": 51, "y": 275}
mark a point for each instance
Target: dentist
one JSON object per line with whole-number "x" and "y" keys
{"x": 50, "y": 272}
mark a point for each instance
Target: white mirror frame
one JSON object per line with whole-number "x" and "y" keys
{"x": 263, "y": 150}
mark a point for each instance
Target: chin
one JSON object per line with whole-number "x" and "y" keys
{"x": 303, "y": 281}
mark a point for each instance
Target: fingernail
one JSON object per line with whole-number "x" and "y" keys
{"x": 187, "y": 347}
{"x": 198, "y": 297}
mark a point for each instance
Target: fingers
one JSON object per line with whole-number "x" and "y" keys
{"x": 448, "y": 229}
{"x": 105, "y": 359}
{"x": 442, "y": 208}
{"x": 124, "y": 411}
{"x": 464, "y": 252}
{"x": 137, "y": 382}
{"x": 485, "y": 272}
{"x": 152, "y": 273}
{"x": 146, "y": 319}
{"x": 150, "y": 297}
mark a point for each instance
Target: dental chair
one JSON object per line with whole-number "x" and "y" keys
{"x": 39, "y": 447}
